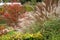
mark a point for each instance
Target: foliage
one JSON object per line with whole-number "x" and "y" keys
{"x": 29, "y": 8}
{"x": 2, "y": 21}
{"x": 5, "y": 0}
{"x": 34, "y": 28}
{"x": 12, "y": 12}
{"x": 33, "y": 2}
{"x": 2, "y": 10}
{"x": 52, "y": 29}
{"x": 18, "y": 36}
{"x": 7, "y": 36}
{"x": 46, "y": 10}
{"x": 22, "y": 1}
{"x": 49, "y": 29}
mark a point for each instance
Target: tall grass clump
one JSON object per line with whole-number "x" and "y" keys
{"x": 46, "y": 10}
{"x": 52, "y": 29}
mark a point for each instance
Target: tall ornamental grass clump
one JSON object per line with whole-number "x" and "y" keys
{"x": 52, "y": 29}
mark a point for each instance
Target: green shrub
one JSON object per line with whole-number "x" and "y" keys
{"x": 52, "y": 30}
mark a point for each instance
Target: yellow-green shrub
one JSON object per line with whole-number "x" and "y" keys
{"x": 19, "y": 36}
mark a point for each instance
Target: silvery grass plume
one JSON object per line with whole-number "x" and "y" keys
{"x": 45, "y": 10}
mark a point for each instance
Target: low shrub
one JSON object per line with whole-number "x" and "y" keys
{"x": 18, "y": 36}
